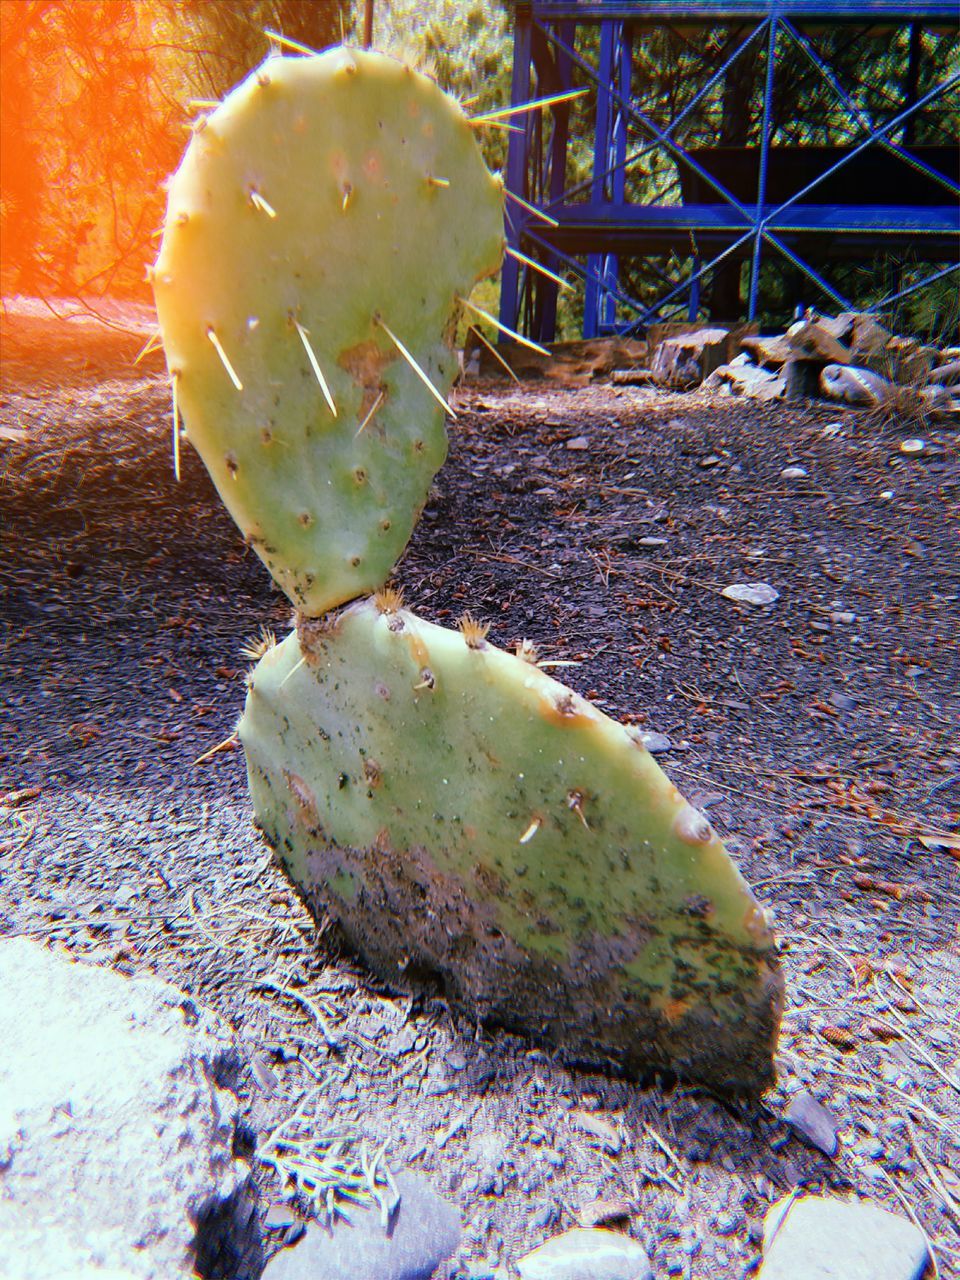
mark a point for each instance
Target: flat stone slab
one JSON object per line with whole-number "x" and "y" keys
{"x": 423, "y": 1231}
{"x": 825, "y": 1238}
{"x": 587, "y": 1254}
{"x": 114, "y": 1136}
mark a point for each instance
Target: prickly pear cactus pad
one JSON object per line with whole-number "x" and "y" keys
{"x": 457, "y": 811}
{"x": 321, "y": 225}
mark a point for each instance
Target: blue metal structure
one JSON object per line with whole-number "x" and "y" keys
{"x": 753, "y": 200}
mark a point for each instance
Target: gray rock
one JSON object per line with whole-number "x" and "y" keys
{"x": 811, "y": 1121}
{"x": 825, "y": 1238}
{"x": 587, "y": 1254}
{"x": 579, "y": 444}
{"x": 751, "y": 593}
{"x": 656, "y": 742}
{"x": 424, "y": 1230}
{"x": 793, "y": 473}
{"x": 854, "y": 385}
{"x": 116, "y": 1140}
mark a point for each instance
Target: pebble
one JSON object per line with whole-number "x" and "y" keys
{"x": 751, "y": 593}
{"x": 842, "y": 701}
{"x": 825, "y": 1238}
{"x": 587, "y": 1254}
{"x": 651, "y": 543}
{"x": 793, "y": 473}
{"x": 599, "y": 1213}
{"x": 729, "y": 1223}
{"x": 843, "y": 618}
{"x": 710, "y": 460}
{"x": 912, "y": 446}
{"x": 602, "y": 1130}
{"x": 425, "y": 1232}
{"x": 811, "y": 1121}
{"x": 656, "y": 742}
{"x": 578, "y": 444}
{"x": 278, "y": 1216}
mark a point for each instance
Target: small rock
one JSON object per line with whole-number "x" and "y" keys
{"x": 842, "y": 701}
{"x": 425, "y": 1231}
{"x": 886, "y": 494}
{"x": 587, "y": 1254}
{"x": 711, "y": 460}
{"x": 843, "y": 618}
{"x": 825, "y": 1238}
{"x": 854, "y": 385}
{"x": 279, "y": 1215}
{"x": 600, "y": 1212}
{"x": 656, "y": 742}
{"x": 455, "y": 1059}
{"x": 650, "y": 543}
{"x": 811, "y": 1121}
{"x": 793, "y": 473}
{"x": 578, "y": 444}
{"x": 598, "y": 1128}
{"x": 729, "y": 1223}
{"x": 912, "y": 446}
{"x": 751, "y": 593}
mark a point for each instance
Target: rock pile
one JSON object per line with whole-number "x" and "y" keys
{"x": 851, "y": 358}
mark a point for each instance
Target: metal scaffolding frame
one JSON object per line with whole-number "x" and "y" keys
{"x": 587, "y": 227}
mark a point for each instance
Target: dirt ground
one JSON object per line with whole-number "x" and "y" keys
{"x": 819, "y": 733}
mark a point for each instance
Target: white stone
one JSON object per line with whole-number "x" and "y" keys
{"x": 587, "y": 1254}
{"x": 113, "y": 1134}
{"x": 826, "y": 1238}
{"x": 751, "y": 593}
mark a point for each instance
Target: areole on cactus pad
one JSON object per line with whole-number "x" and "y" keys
{"x": 322, "y": 225}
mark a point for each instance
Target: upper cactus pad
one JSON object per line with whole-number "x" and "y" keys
{"x": 456, "y": 809}
{"x": 328, "y": 212}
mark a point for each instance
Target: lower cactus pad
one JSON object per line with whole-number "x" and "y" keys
{"x": 456, "y": 811}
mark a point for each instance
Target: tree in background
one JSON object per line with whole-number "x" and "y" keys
{"x": 87, "y": 135}
{"x": 92, "y": 121}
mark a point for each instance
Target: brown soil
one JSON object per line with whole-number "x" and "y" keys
{"x": 822, "y": 748}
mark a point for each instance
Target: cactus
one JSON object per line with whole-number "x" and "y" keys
{"x": 458, "y": 811}
{"x": 323, "y": 222}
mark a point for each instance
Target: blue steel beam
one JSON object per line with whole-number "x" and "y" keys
{"x": 619, "y": 224}
{"x": 516, "y": 172}
{"x": 674, "y": 124}
{"x": 764, "y": 156}
{"x": 640, "y": 119}
{"x": 873, "y": 11}
{"x": 860, "y": 115}
{"x": 938, "y": 89}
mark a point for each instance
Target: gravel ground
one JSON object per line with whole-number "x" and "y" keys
{"x": 819, "y": 733}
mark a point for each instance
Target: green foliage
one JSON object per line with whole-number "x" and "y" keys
{"x": 466, "y": 45}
